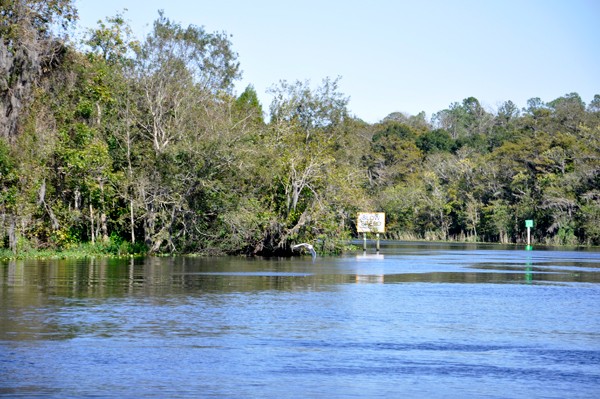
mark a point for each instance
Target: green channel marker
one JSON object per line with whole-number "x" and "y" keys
{"x": 529, "y": 225}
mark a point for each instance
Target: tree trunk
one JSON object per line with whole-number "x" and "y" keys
{"x": 103, "y": 226}
{"x": 12, "y": 237}
{"x": 102, "y": 219}
{"x": 295, "y": 195}
{"x": 132, "y": 223}
{"x": 130, "y": 173}
{"x": 99, "y": 117}
{"x": 92, "y": 222}
{"x": 149, "y": 226}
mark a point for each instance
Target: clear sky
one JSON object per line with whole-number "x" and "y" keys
{"x": 407, "y": 56}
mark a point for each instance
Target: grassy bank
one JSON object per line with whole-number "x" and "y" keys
{"x": 110, "y": 248}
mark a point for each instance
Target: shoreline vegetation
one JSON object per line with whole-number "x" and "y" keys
{"x": 116, "y": 145}
{"x": 108, "y": 250}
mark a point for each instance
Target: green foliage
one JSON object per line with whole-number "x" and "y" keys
{"x": 395, "y": 130}
{"x": 112, "y": 40}
{"x": 142, "y": 147}
{"x": 18, "y": 16}
{"x": 434, "y": 141}
{"x": 207, "y": 56}
{"x": 249, "y": 107}
{"x": 8, "y": 174}
{"x": 476, "y": 141}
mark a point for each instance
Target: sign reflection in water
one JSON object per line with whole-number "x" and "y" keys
{"x": 426, "y": 320}
{"x": 371, "y": 272}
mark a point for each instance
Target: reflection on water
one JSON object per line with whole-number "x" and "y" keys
{"x": 424, "y": 320}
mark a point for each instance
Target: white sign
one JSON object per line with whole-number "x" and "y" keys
{"x": 371, "y": 222}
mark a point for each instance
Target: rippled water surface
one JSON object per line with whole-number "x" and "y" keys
{"x": 417, "y": 320}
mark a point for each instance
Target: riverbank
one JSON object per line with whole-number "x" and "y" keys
{"x": 112, "y": 249}
{"x": 108, "y": 249}
{"x": 434, "y": 236}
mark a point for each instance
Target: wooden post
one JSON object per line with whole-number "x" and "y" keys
{"x": 370, "y": 223}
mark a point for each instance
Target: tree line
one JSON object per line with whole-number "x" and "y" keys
{"x": 144, "y": 146}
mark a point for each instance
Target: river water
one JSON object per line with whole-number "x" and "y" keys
{"x": 416, "y": 320}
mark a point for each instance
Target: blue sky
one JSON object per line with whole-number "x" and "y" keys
{"x": 407, "y": 56}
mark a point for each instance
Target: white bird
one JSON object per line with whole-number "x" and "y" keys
{"x": 310, "y": 248}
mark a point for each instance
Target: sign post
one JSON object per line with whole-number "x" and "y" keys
{"x": 370, "y": 223}
{"x": 529, "y": 225}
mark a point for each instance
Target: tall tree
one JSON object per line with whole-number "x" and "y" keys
{"x": 28, "y": 48}
{"x": 176, "y": 68}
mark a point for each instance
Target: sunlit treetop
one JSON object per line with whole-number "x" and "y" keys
{"x": 35, "y": 19}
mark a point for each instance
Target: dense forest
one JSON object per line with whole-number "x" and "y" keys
{"x": 143, "y": 145}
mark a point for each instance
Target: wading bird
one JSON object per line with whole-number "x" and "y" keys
{"x": 310, "y": 248}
